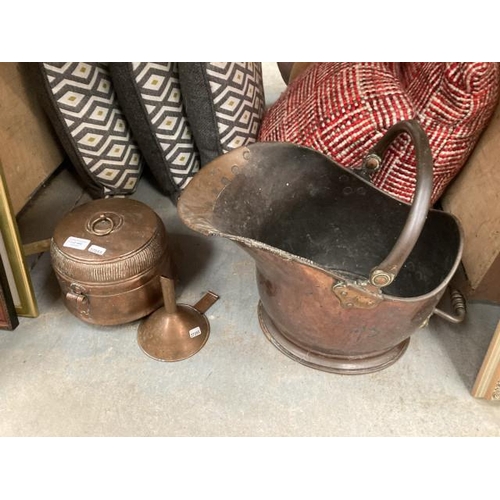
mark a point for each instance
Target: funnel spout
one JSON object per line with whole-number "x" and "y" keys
{"x": 168, "y": 291}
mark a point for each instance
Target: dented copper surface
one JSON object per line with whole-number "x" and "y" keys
{"x": 345, "y": 273}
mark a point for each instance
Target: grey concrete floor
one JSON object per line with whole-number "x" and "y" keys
{"x": 62, "y": 377}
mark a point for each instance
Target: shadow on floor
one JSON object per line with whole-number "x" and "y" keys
{"x": 191, "y": 255}
{"x": 466, "y": 343}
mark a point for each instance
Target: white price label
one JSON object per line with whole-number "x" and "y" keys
{"x": 194, "y": 332}
{"x": 96, "y": 249}
{"x": 77, "y": 243}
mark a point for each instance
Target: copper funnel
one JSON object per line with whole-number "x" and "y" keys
{"x": 176, "y": 331}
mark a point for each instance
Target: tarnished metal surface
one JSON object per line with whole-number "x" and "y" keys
{"x": 175, "y": 331}
{"x": 108, "y": 256}
{"x": 316, "y": 230}
{"x": 357, "y": 295}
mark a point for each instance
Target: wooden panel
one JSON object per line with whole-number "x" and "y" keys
{"x": 487, "y": 384}
{"x": 474, "y": 197}
{"x": 29, "y": 150}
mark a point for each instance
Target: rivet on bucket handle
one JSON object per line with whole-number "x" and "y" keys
{"x": 385, "y": 273}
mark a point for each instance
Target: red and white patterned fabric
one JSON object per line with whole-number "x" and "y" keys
{"x": 343, "y": 109}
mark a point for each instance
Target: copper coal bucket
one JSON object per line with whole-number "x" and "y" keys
{"x": 345, "y": 272}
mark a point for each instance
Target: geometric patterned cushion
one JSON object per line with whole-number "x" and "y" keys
{"x": 224, "y": 103}
{"x": 82, "y": 105}
{"x": 343, "y": 109}
{"x": 150, "y": 96}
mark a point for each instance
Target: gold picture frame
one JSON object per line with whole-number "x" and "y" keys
{"x": 13, "y": 258}
{"x": 487, "y": 384}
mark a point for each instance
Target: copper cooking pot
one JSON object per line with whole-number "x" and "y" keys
{"x": 108, "y": 256}
{"x": 346, "y": 273}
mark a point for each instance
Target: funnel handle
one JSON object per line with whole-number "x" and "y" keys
{"x": 386, "y": 272}
{"x": 206, "y": 302}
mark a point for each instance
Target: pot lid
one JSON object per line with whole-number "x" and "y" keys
{"x": 106, "y": 230}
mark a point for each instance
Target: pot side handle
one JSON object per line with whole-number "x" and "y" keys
{"x": 385, "y": 273}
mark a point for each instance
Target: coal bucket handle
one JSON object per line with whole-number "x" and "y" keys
{"x": 385, "y": 273}
{"x": 458, "y": 305}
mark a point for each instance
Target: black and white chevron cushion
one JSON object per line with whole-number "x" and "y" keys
{"x": 81, "y": 102}
{"x": 224, "y": 102}
{"x": 152, "y": 101}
